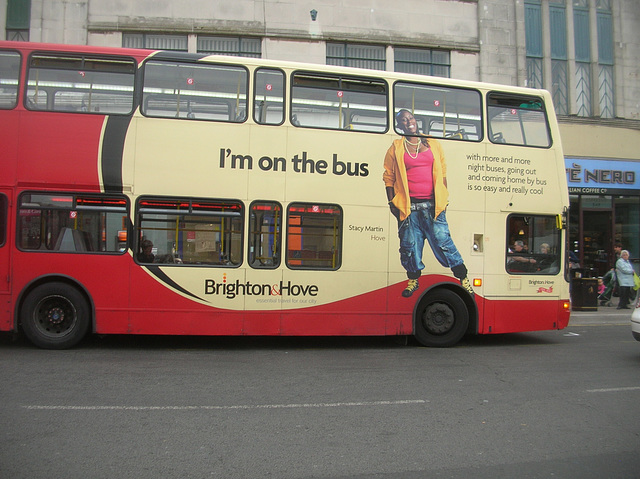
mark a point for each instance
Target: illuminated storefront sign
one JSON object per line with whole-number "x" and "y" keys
{"x": 601, "y": 177}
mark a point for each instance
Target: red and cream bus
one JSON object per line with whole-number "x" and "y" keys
{"x": 151, "y": 192}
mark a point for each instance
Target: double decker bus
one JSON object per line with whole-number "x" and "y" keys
{"x": 164, "y": 193}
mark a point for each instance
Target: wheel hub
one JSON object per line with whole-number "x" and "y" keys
{"x": 55, "y": 316}
{"x": 438, "y": 319}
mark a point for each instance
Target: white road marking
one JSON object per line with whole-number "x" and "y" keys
{"x": 226, "y": 408}
{"x": 612, "y": 390}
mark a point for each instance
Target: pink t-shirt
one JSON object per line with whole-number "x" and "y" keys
{"x": 420, "y": 174}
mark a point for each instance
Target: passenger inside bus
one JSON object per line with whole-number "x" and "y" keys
{"x": 518, "y": 258}
{"x": 146, "y": 256}
{"x": 547, "y": 260}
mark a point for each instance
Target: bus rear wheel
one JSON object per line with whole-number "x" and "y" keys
{"x": 441, "y": 320}
{"x": 55, "y": 316}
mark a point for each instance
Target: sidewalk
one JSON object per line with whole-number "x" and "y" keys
{"x": 604, "y": 315}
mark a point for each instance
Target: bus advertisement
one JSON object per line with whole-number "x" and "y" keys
{"x": 151, "y": 192}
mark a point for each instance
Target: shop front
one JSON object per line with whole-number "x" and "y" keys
{"x": 605, "y": 211}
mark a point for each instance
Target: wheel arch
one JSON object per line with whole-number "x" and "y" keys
{"x": 53, "y": 278}
{"x": 468, "y": 300}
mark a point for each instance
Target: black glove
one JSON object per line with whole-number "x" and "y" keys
{"x": 394, "y": 210}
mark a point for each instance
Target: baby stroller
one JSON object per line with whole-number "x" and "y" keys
{"x": 610, "y": 283}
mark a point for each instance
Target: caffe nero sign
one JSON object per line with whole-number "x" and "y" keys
{"x": 601, "y": 177}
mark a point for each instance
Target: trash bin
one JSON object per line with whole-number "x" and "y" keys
{"x": 584, "y": 294}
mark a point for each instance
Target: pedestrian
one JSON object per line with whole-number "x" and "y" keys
{"x": 624, "y": 272}
{"x": 617, "y": 249}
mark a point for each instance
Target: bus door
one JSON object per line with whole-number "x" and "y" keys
{"x": 5, "y": 258}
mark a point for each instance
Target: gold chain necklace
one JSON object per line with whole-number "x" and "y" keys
{"x": 415, "y": 145}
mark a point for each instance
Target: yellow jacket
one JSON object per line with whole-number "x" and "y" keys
{"x": 395, "y": 175}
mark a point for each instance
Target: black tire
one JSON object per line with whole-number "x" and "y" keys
{"x": 55, "y": 316}
{"x": 441, "y": 319}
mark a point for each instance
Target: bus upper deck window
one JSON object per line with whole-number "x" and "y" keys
{"x": 268, "y": 97}
{"x": 440, "y": 111}
{"x": 518, "y": 120}
{"x": 9, "y": 75}
{"x": 80, "y": 83}
{"x": 194, "y": 91}
{"x": 338, "y": 102}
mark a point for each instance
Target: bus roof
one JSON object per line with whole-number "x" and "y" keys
{"x": 141, "y": 54}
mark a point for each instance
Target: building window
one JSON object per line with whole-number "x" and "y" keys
{"x": 423, "y": 62}
{"x": 17, "y": 35}
{"x": 533, "y": 32}
{"x": 605, "y": 58}
{"x": 236, "y": 46}
{"x": 593, "y": 77}
{"x": 559, "y": 70}
{"x": 177, "y": 43}
{"x": 18, "y": 20}
{"x": 582, "y": 44}
{"x": 627, "y": 226}
{"x": 359, "y": 56}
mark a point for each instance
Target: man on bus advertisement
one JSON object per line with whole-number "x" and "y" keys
{"x": 416, "y": 186}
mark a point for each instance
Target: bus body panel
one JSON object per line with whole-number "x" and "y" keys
{"x": 59, "y": 150}
{"x": 6, "y": 279}
{"x": 105, "y": 279}
{"x": 9, "y": 135}
{"x": 509, "y": 316}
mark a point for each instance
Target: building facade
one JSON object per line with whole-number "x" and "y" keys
{"x": 586, "y": 52}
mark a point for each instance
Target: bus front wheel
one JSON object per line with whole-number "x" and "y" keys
{"x": 441, "y": 320}
{"x": 55, "y": 316}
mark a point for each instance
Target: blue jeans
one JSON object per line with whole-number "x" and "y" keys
{"x": 421, "y": 225}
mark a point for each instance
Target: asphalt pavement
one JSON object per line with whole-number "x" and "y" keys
{"x": 546, "y": 404}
